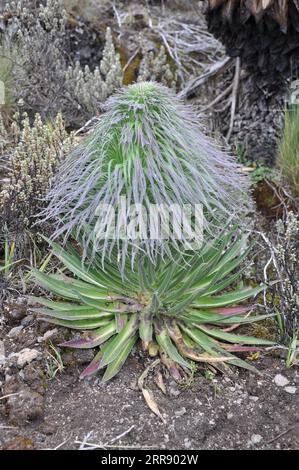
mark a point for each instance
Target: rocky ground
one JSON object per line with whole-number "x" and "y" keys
{"x": 39, "y": 411}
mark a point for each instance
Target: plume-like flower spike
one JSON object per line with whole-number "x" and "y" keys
{"x": 148, "y": 148}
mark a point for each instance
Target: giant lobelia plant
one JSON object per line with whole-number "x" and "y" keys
{"x": 180, "y": 301}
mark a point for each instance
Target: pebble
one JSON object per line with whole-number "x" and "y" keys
{"x": 180, "y": 412}
{"x": 26, "y": 356}
{"x": 187, "y": 443}
{"x": 2, "y": 352}
{"x": 15, "y": 311}
{"x": 20, "y": 443}
{"x": 47, "y": 335}
{"x": 27, "y": 320}
{"x": 280, "y": 380}
{"x": 80, "y": 356}
{"x": 291, "y": 390}
{"x": 174, "y": 390}
{"x": 256, "y": 438}
{"x": 254, "y": 398}
{"x": 27, "y": 405}
{"x": 15, "y": 331}
{"x": 48, "y": 428}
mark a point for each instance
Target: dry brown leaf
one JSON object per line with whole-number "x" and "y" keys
{"x": 266, "y": 3}
{"x": 212, "y": 360}
{"x": 280, "y": 13}
{"x": 256, "y": 8}
{"x": 215, "y": 3}
{"x": 160, "y": 382}
{"x": 229, "y": 8}
{"x": 151, "y": 403}
{"x": 296, "y": 2}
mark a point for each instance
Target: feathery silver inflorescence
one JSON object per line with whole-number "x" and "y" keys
{"x": 147, "y": 147}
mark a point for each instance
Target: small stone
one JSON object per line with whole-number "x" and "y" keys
{"x": 20, "y": 443}
{"x": 83, "y": 356}
{"x": 187, "y": 443}
{"x": 256, "y": 438}
{"x": 15, "y": 331}
{"x": 34, "y": 376}
{"x": 180, "y": 412}
{"x": 291, "y": 390}
{"x": 26, "y": 356}
{"x": 14, "y": 312}
{"x": 26, "y": 321}
{"x": 24, "y": 406}
{"x": 280, "y": 380}
{"x": 48, "y": 428}
{"x": 49, "y": 334}
{"x": 229, "y": 416}
{"x": 174, "y": 392}
{"x": 173, "y": 389}
{"x": 2, "y": 352}
{"x": 254, "y": 398}
{"x": 296, "y": 378}
{"x": 252, "y": 386}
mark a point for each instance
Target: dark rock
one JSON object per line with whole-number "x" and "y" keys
{"x": 14, "y": 312}
{"x": 252, "y": 386}
{"x": 34, "y": 376}
{"x": 26, "y": 321}
{"x": 174, "y": 389}
{"x": 27, "y": 405}
{"x": 12, "y": 385}
{"x": 42, "y": 327}
{"x": 20, "y": 443}
{"x": 48, "y": 428}
{"x": 80, "y": 356}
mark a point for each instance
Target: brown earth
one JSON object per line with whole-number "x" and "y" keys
{"x": 211, "y": 412}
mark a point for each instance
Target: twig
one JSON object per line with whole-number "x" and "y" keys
{"x": 86, "y": 125}
{"x": 87, "y": 436}
{"x": 234, "y": 97}
{"x": 9, "y": 395}
{"x": 116, "y": 15}
{"x": 62, "y": 443}
{"x": 187, "y": 43}
{"x": 131, "y": 59}
{"x": 110, "y": 446}
{"x": 120, "y": 436}
{"x": 212, "y": 71}
{"x": 280, "y": 435}
{"x": 8, "y": 427}
{"x": 217, "y": 99}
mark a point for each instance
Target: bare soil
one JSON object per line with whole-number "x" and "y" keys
{"x": 246, "y": 411}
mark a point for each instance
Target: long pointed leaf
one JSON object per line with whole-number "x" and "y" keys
{"x": 92, "y": 314}
{"x": 114, "y": 367}
{"x": 116, "y": 345}
{"x": 233, "y": 338}
{"x": 78, "y": 324}
{"x": 167, "y": 345}
{"x": 229, "y": 298}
